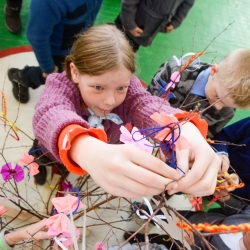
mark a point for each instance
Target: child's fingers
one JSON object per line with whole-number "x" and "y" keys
{"x": 196, "y": 184}
{"x": 145, "y": 182}
{"x": 161, "y": 156}
{"x": 152, "y": 164}
{"x": 225, "y": 163}
{"x": 234, "y": 179}
{"x": 182, "y": 158}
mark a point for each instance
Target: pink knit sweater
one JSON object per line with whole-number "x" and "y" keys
{"x": 60, "y": 104}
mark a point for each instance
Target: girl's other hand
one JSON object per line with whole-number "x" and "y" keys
{"x": 201, "y": 179}
{"x": 122, "y": 170}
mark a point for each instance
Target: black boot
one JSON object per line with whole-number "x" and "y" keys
{"x": 12, "y": 16}
{"x": 20, "y": 89}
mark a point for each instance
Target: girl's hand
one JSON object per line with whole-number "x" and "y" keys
{"x": 136, "y": 31}
{"x": 201, "y": 179}
{"x": 122, "y": 170}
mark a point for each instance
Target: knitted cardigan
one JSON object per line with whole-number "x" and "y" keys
{"x": 61, "y": 104}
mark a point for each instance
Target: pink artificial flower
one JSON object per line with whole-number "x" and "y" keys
{"x": 2, "y": 210}
{"x": 163, "y": 120}
{"x": 196, "y": 202}
{"x": 66, "y": 186}
{"x": 7, "y": 172}
{"x": 69, "y": 240}
{"x": 175, "y": 77}
{"x": 64, "y": 205}
{"x": 99, "y": 246}
{"x": 57, "y": 224}
{"x": 28, "y": 160}
{"x": 127, "y": 138}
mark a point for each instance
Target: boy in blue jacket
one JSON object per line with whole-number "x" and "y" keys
{"x": 51, "y": 31}
{"x": 236, "y": 156}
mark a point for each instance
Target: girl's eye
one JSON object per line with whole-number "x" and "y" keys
{"x": 98, "y": 87}
{"x": 122, "y": 88}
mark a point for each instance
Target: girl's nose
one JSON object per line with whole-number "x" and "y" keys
{"x": 109, "y": 100}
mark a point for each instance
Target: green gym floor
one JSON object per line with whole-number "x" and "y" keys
{"x": 217, "y": 27}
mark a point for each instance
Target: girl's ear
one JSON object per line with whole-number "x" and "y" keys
{"x": 74, "y": 73}
{"x": 214, "y": 69}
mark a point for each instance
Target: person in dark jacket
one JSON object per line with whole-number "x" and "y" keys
{"x": 142, "y": 20}
{"x": 236, "y": 154}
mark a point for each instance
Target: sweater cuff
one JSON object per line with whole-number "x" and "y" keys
{"x": 196, "y": 119}
{"x": 67, "y": 135}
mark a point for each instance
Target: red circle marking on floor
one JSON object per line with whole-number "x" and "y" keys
{"x": 15, "y": 50}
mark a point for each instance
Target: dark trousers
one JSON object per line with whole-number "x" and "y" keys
{"x": 33, "y": 76}
{"x": 133, "y": 43}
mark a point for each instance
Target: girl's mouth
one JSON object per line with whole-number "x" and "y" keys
{"x": 105, "y": 111}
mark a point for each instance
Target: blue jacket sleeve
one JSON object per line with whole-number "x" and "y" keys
{"x": 237, "y": 133}
{"x": 44, "y": 15}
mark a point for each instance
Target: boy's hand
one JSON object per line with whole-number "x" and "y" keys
{"x": 55, "y": 71}
{"x": 169, "y": 28}
{"x": 136, "y": 32}
{"x": 246, "y": 240}
{"x": 225, "y": 163}
{"x": 189, "y": 237}
{"x": 224, "y": 193}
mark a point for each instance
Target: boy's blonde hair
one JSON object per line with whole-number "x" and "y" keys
{"x": 100, "y": 49}
{"x": 234, "y": 74}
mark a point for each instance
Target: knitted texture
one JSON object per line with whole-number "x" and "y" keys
{"x": 60, "y": 105}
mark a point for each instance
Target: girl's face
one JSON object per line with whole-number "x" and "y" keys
{"x": 105, "y": 92}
